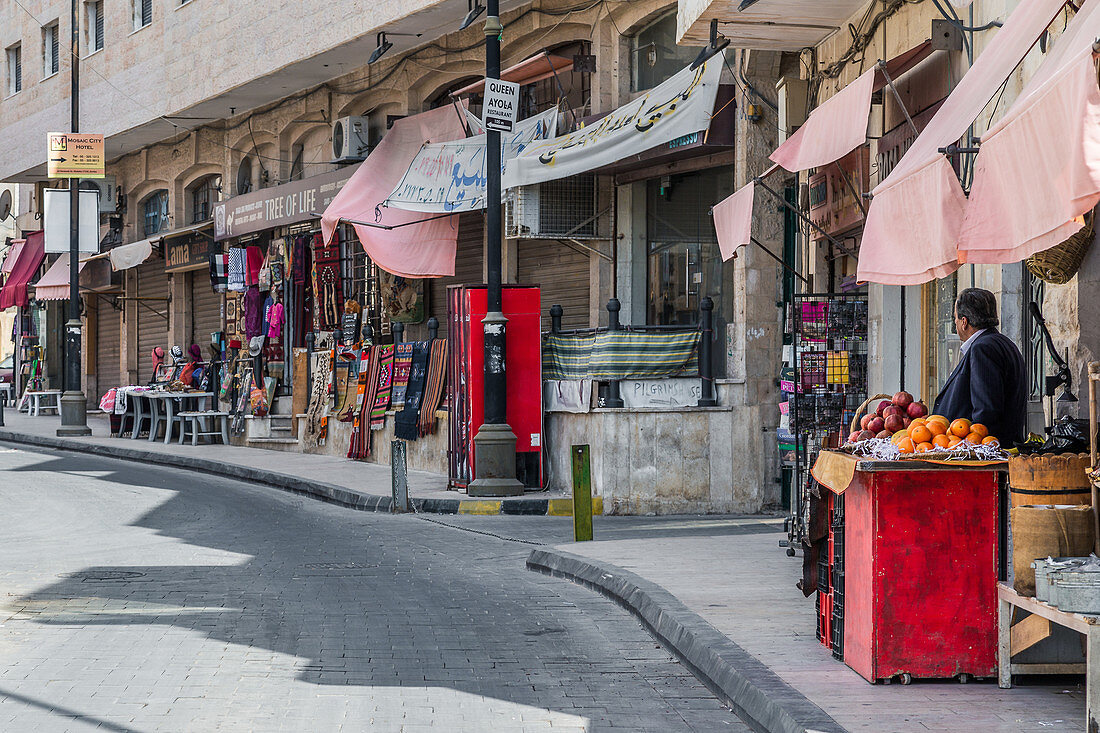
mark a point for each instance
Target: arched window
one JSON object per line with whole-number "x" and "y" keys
{"x": 575, "y": 87}
{"x": 654, "y": 54}
{"x": 203, "y": 194}
{"x": 154, "y": 213}
{"x": 244, "y": 176}
{"x": 297, "y": 165}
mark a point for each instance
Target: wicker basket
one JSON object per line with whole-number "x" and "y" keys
{"x": 1060, "y": 263}
{"x": 860, "y": 410}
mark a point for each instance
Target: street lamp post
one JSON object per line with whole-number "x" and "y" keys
{"x": 74, "y": 405}
{"x": 495, "y": 443}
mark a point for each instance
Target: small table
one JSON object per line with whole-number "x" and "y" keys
{"x": 173, "y": 403}
{"x": 1007, "y": 634}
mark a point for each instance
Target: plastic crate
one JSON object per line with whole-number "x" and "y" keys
{"x": 825, "y": 619}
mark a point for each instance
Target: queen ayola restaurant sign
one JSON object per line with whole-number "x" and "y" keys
{"x": 289, "y": 203}
{"x": 680, "y": 106}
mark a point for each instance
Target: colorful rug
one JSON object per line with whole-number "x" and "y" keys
{"x": 327, "y": 286}
{"x": 406, "y": 422}
{"x": 402, "y": 366}
{"x": 361, "y": 434}
{"x": 385, "y": 385}
{"x": 360, "y": 397}
{"x": 433, "y": 389}
{"x": 346, "y": 411}
{"x": 317, "y": 412}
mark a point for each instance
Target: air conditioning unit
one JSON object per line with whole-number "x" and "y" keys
{"x": 350, "y": 139}
{"x": 108, "y": 192}
{"x": 792, "y": 96}
{"x": 563, "y": 209}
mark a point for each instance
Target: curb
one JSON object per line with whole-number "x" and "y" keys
{"x": 756, "y": 693}
{"x": 295, "y": 484}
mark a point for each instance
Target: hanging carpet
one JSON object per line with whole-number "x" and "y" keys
{"x": 406, "y": 422}
{"x": 385, "y": 385}
{"x": 402, "y": 365}
{"x": 327, "y": 286}
{"x": 433, "y": 390}
{"x": 360, "y": 447}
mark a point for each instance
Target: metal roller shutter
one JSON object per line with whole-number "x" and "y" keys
{"x": 152, "y": 315}
{"x": 563, "y": 276}
{"x": 469, "y": 258}
{"x": 108, "y": 367}
{"x": 206, "y": 310}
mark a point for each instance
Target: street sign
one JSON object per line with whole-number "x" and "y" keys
{"x": 501, "y": 105}
{"x": 74, "y": 155}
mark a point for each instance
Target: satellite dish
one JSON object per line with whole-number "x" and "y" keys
{"x": 5, "y": 204}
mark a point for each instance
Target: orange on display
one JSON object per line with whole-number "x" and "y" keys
{"x": 953, "y": 440}
{"x": 979, "y": 429}
{"x": 924, "y": 447}
{"x": 974, "y": 439}
{"x": 961, "y": 427}
{"x": 920, "y": 434}
{"x": 990, "y": 440}
{"x": 917, "y": 423}
{"x": 941, "y": 441}
{"x": 905, "y": 445}
{"x": 937, "y": 427}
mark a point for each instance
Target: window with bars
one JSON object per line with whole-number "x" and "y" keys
{"x": 143, "y": 13}
{"x": 93, "y": 27}
{"x": 575, "y": 87}
{"x": 51, "y": 49}
{"x": 154, "y": 211}
{"x": 204, "y": 195}
{"x": 15, "y": 69}
{"x": 655, "y": 57}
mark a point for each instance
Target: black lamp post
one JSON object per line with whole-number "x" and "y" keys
{"x": 74, "y": 404}
{"x": 495, "y": 443}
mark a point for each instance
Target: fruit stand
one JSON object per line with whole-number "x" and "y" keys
{"x": 920, "y": 544}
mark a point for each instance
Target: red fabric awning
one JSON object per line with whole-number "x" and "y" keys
{"x": 12, "y": 256}
{"x": 912, "y": 229}
{"x": 1039, "y": 166}
{"x": 413, "y": 248}
{"x": 839, "y": 125}
{"x": 533, "y": 69}
{"x": 54, "y": 285}
{"x": 26, "y": 265}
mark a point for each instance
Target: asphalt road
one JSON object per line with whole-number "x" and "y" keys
{"x": 141, "y": 598}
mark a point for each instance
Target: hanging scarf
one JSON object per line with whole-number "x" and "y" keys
{"x": 385, "y": 384}
{"x": 405, "y": 422}
{"x": 433, "y": 389}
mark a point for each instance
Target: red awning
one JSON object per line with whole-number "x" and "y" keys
{"x": 912, "y": 229}
{"x": 405, "y": 243}
{"x": 26, "y": 265}
{"x": 12, "y": 256}
{"x": 533, "y": 69}
{"x": 1039, "y": 167}
{"x": 54, "y": 285}
{"x": 839, "y": 125}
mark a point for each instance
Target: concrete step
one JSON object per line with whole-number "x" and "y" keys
{"x": 273, "y": 441}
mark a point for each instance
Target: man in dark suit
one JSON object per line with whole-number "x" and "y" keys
{"x": 989, "y": 385}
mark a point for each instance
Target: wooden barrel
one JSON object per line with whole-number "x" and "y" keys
{"x": 1049, "y": 479}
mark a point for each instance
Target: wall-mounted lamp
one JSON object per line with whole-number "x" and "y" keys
{"x": 384, "y": 45}
{"x": 476, "y": 9}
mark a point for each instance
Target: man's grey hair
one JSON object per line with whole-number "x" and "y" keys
{"x": 978, "y": 307}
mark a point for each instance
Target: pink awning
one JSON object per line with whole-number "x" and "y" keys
{"x": 1039, "y": 166}
{"x": 839, "y": 125}
{"x": 25, "y": 267}
{"x": 733, "y": 220}
{"x": 912, "y": 228}
{"x": 417, "y": 250}
{"x": 54, "y": 285}
{"x": 12, "y": 256}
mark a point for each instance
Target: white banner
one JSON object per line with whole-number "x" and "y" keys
{"x": 680, "y": 106}
{"x": 450, "y": 177}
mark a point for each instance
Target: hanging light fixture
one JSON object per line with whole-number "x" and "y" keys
{"x": 383, "y": 46}
{"x": 717, "y": 44}
{"x": 476, "y": 9}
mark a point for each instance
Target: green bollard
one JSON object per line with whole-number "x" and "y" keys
{"x": 582, "y": 494}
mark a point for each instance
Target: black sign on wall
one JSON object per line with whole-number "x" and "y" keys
{"x": 187, "y": 252}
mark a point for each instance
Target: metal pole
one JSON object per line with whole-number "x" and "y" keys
{"x": 614, "y": 398}
{"x": 556, "y": 312}
{"x": 433, "y": 328}
{"x": 706, "y": 341}
{"x": 74, "y": 405}
{"x": 494, "y": 444}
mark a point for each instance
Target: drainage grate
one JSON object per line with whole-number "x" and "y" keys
{"x": 103, "y": 575}
{"x": 338, "y": 565}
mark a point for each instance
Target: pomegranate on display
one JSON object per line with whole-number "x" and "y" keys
{"x": 917, "y": 409}
{"x": 894, "y": 423}
{"x": 902, "y": 399}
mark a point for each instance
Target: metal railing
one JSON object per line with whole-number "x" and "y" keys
{"x": 706, "y": 345}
